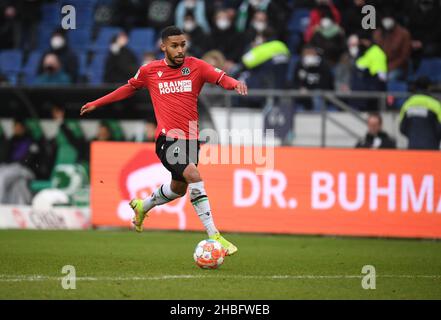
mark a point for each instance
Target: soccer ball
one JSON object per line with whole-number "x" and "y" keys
{"x": 209, "y": 254}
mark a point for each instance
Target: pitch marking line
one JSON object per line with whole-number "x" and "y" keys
{"x": 31, "y": 278}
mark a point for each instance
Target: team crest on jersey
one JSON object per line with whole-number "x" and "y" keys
{"x": 185, "y": 71}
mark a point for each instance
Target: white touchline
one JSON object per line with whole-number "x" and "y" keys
{"x": 30, "y": 278}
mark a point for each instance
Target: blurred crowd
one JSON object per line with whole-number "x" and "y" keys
{"x": 295, "y": 44}
{"x": 300, "y": 44}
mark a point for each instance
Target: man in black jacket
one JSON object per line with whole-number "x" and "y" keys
{"x": 376, "y": 138}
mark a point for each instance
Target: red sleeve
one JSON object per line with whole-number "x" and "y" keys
{"x": 210, "y": 73}
{"x": 121, "y": 93}
{"x": 227, "y": 82}
{"x": 139, "y": 81}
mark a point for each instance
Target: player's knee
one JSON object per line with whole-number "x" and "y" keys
{"x": 191, "y": 174}
{"x": 179, "y": 188}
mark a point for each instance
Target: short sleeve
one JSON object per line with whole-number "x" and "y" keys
{"x": 139, "y": 80}
{"x": 210, "y": 73}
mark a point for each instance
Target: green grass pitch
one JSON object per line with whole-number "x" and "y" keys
{"x": 159, "y": 265}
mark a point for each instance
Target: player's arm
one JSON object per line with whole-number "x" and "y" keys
{"x": 219, "y": 77}
{"x": 229, "y": 83}
{"x": 123, "y": 92}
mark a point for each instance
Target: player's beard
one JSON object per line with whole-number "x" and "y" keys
{"x": 173, "y": 59}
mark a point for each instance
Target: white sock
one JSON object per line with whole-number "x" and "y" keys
{"x": 162, "y": 195}
{"x": 200, "y": 203}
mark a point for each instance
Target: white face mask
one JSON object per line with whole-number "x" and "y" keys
{"x": 259, "y": 26}
{"x": 388, "y": 23}
{"x": 310, "y": 60}
{"x": 223, "y": 24}
{"x": 353, "y": 51}
{"x": 57, "y": 42}
{"x": 189, "y": 25}
{"x": 325, "y": 23}
{"x": 115, "y": 48}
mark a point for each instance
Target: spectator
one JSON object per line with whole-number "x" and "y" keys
{"x": 395, "y": 41}
{"x": 322, "y": 8}
{"x": 425, "y": 27}
{"x": 225, "y": 38}
{"x": 30, "y": 16}
{"x": 52, "y": 72}
{"x": 121, "y": 62}
{"x": 329, "y": 37}
{"x": 343, "y": 69}
{"x": 148, "y": 133}
{"x": 312, "y": 73}
{"x": 196, "y": 8}
{"x": 255, "y": 33}
{"x": 420, "y": 118}
{"x": 376, "y": 138}
{"x": 148, "y": 57}
{"x": 370, "y": 70}
{"x": 352, "y": 16}
{"x": 196, "y": 38}
{"x": 16, "y": 172}
{"x": 276, "y": 11}
{"x": 69, "y": 142}
{"x": 9, "y": 25}
{"x": 67, "y": 58}
{"x": 215, "y": 58}
{"x": 104, "y": 132}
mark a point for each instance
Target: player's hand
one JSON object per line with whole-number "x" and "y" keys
{"x": 86, "y": 109}
{"x": 241, "y": 88}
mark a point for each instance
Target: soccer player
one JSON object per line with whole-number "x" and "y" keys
{"x": 174, "y": 84}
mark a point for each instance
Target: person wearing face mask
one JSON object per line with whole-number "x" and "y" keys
{"x": 329, "y": 37}
{"x": 312, "y": 73}
{"x": 197, "y": 9}
{"x": 395, "y": 40}
{"x": 344, "y": 67}
{"x": 276, "y": 11}
{"x": 369, "y": 72}
{"x": 197, "y": 40}
{"x": 225, "y": 38}
{"x": 254, "y": 34}
{"x": 121, "y": 62}
{"x": 68, "y": 59}
{"x": 321, "y": 9}
{"x": 52, "y": 72}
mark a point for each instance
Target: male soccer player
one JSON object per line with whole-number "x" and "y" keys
{"x": 174, "y": 84}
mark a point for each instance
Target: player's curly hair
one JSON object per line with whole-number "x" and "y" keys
{"x": 170, "y": 31}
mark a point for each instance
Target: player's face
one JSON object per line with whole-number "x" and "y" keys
{"x": 174, "y": 48}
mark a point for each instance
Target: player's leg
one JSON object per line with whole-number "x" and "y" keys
{"x": 165, "y": 193}
{"x": 201, "y": 204}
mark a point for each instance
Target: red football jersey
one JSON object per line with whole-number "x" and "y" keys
{"x": 174, "y": 92}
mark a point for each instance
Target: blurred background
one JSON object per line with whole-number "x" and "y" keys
{"x": 315, "y": 76}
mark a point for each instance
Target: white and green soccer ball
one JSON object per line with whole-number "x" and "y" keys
{"x": 209, "y": 254}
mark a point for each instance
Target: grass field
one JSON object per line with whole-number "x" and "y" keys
{"x": 159, "y": 265}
